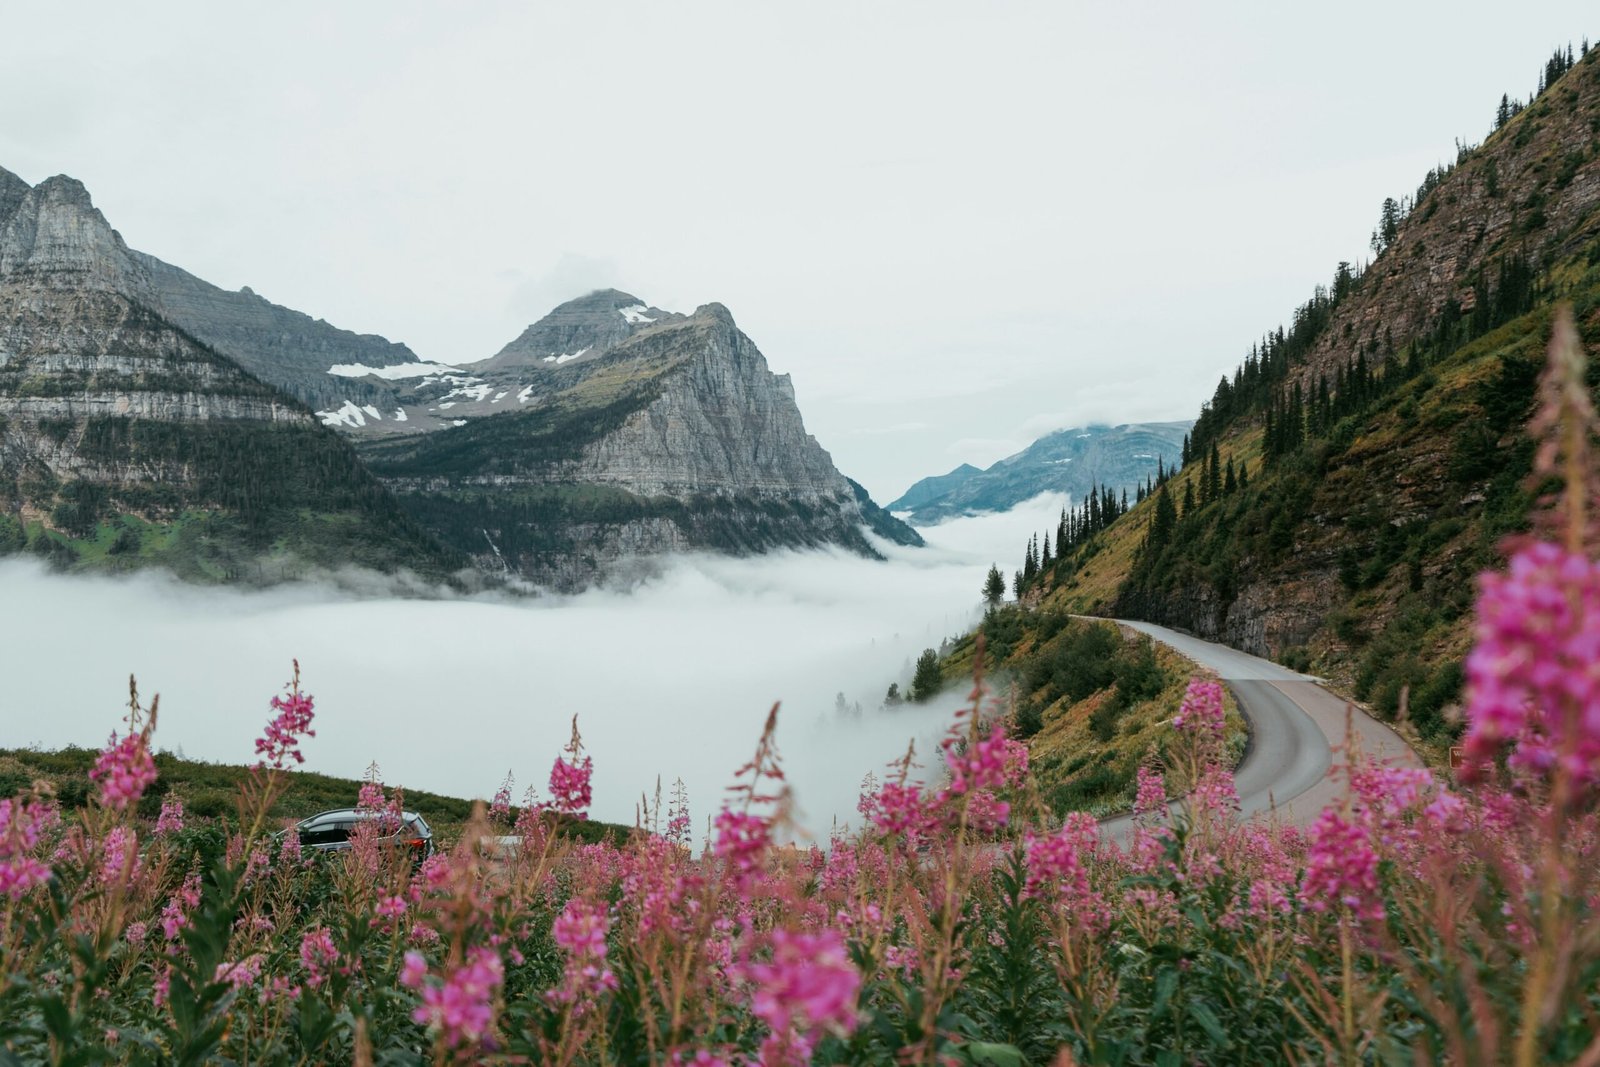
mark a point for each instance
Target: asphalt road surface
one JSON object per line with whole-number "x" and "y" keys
{"x": 1295, "y": 725}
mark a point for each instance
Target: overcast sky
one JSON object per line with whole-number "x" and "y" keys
{"x": 958, "y": 226}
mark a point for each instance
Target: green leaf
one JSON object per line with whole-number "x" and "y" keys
{"x": 1166, "y": 985}
{"x": 1207, "y": 1019}
{"x": 998, "y": 1055}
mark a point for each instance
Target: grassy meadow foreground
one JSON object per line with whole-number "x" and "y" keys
{"x": 965, "y": 920}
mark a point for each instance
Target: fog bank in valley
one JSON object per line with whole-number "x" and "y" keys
{"x": 673, "y": 678}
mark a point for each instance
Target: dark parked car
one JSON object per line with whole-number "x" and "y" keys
{"x": 329, "y": 831}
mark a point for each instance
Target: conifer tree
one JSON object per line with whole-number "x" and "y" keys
{"x": 994, "y": 587}
{"x": 1213, "y": 475}
{"x": 1188, "y": 497}
{"x": 1244, "y": 476}
{"x": 1044, "y": 553}
{"x": 1164, "y": 521}
{"x": 1229, "y": 481}
{"x": 928, "y": 680}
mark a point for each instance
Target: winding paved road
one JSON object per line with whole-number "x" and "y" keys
{"x": 1294, "y": 725}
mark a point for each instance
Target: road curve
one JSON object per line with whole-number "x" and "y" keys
{"x": 1294, "y": 726}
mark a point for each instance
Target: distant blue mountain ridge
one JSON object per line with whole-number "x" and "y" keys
{"x": 1068, "y": 461}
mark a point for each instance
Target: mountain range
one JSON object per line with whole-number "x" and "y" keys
{"x": 149, "y": 417}
{"x": 1074, "y": 462}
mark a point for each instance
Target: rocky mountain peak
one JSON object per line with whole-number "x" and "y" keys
{"x": 716, "y": 312}
{"x": 54, "y": 233}
{"x": 12, "y": 191}
{"x": 580, "y": 329}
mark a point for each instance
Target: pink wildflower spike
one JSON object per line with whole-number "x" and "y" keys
{"x": 570, "y": 778}
{"x": 124, "y": 771}
{"x": 1342, "y": 868}
{"x": 808, "y": 987}
{"x": 175, "y": 916}
{"x": 580, "y": 931}
{"x": 1150, "y": 795}
{"x": 319, "y": 955}
{"x": 23, "y": 819}
{"x": 985, "y": 763}
{"x": 413, "y": 970}
{"x": 119, "y": 864}
{"x": 243, "y": 973}
{"x": 171, "y": 820}
{"x": 1201, "y": 714}
{"x": 1532, "y": 678}
{"x": 742, "y": 840}
{"x": 462, "y": 1006}
{"x": 281, "y": 741}
{"x": 500, "y": 806}
{"x": 1058, "y": 871}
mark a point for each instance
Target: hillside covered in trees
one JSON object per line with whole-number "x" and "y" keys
{"x": 1340, "y": 490}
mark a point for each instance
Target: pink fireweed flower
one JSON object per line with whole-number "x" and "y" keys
{"x": 281, "y": 741}
{"x": 1150, "y": 794}
{"x": 461, "y": 1008}
{"x": 171, "y": 820}
{"x": 120, "y": 861}
{"x": 289, "y": 845}
{"x": 983, "y": 763}
{"x": 22, "y": 821}
{"x": 569, "y": 778}
{"x": 569, "y": 786}
{"x": 500, "y": 806}
{"x": 413, "y": 970}
{"x": 742, "y": 839}
{"x": 175, "y": 916}
{"x": 124, "y": 771}
{"x": 1533, "y": 677}
{"x": 808, "y": 986}
{"x": 1215, "y": 797}
{"x": 1058, "y": 870}
{"x": 318, "y": 955}
{"x": 1201, "y": 714}
{"x": 986, "y": 813}
{"x": 898, "y": 808}
{"x": 1342, "y": 868}
{"x": 1014, "y": 758}
{"x": 580, "y": 930}
{"x": 243, "y": 973}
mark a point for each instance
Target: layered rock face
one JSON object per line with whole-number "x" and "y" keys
{"x": 76, "y": 338}
{"x": 279, "y": 345}
{"x": 1067, "y": 461}
{"x": 676, "y": 437}
{"x": 117, "y": 426}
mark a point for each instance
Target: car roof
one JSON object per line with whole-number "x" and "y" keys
{"x": 337, "y": 814}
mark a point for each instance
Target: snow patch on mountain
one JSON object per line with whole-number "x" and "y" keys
{"x": 392, "y": 373}
{"x": 635, "y": 315}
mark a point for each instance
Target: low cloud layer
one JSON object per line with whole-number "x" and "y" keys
{"x": 672, "y": 679}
